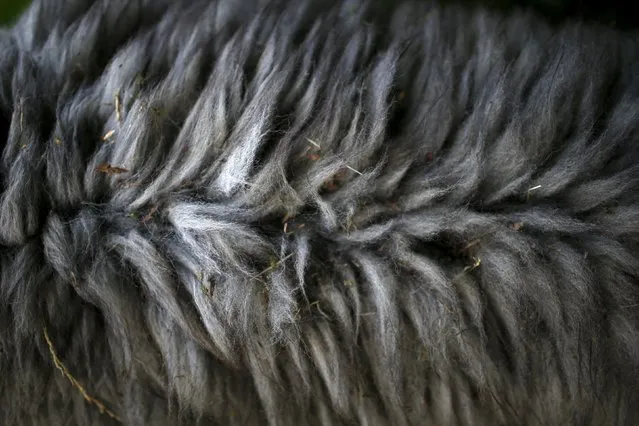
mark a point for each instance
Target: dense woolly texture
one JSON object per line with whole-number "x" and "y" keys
{"x": 311, "y": 212}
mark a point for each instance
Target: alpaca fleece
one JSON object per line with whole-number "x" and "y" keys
{"x": 316, "y": 213}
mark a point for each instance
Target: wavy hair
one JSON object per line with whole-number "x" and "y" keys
{"x": 316, "y": 213}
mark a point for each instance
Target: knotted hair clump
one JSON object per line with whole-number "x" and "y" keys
{"x": 316, "y": 212}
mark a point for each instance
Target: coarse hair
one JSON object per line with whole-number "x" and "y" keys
{"x": 315, "y": 212}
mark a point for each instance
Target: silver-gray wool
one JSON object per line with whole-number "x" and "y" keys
{"x": 316, "y": 213}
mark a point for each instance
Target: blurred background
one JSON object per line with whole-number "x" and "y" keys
{"x": 10, "y": 9}
{"x": 619, "y": 13}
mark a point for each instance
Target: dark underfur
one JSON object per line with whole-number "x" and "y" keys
{"x": 311, "y": 212}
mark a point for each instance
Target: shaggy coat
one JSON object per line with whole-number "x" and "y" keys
{"x": 267, "y": 212}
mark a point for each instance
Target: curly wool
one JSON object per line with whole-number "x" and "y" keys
{"x": 311, "y": 212}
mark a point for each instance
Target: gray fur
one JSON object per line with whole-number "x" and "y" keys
{"x": 315, "y": 213}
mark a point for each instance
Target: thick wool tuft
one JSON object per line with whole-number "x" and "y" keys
{"x": 316, "y": 212}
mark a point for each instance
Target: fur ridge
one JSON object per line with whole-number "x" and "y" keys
{"x": 316, "y": 212}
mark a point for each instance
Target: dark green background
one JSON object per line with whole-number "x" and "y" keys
{"x": 10, "y": 9}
